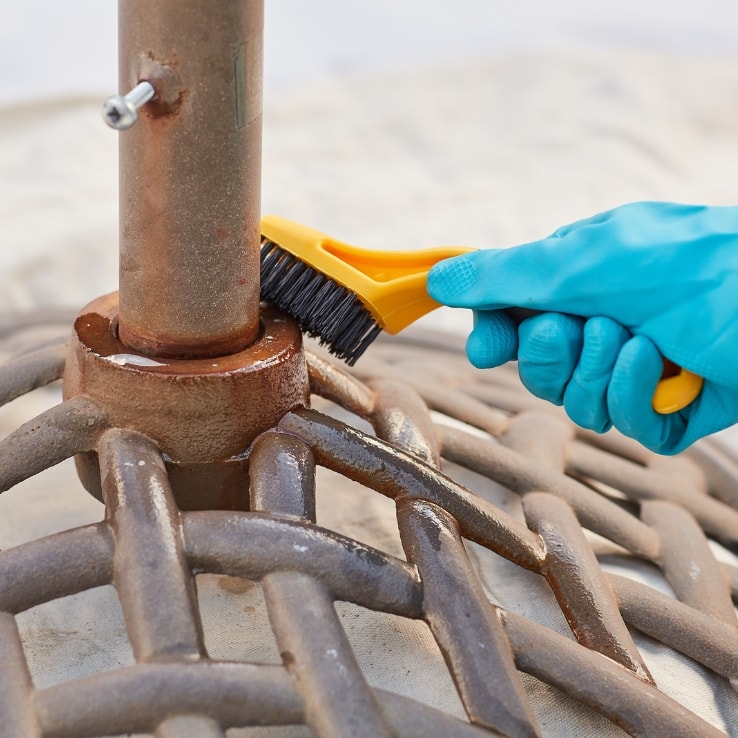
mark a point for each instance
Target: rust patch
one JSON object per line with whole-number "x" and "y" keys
{"x": 236, "y": 585}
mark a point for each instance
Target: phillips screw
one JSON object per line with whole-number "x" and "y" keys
{"x": 121, "y": 111}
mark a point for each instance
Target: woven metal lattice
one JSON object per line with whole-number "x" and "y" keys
{"x": 426, "y": 410}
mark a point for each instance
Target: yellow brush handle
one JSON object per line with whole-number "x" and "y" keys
{"x": 675, "y": 393}
{"x": 391, "y": 284}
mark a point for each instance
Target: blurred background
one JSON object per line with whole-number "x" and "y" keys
{"x": 53, "y": 48}
{"x": 391, "y": 123}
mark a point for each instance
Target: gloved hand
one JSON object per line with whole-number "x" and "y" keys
{"x": 618, "y": 290}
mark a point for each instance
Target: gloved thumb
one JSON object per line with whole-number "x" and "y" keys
{"x": 531, "y": 275}
{"x": 456, "y": 282}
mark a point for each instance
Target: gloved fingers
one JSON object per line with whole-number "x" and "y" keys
{"x": 585, "y": 396}
{"x": 663, "y": 270}
{"x": 548, "y": 352}
{"x": 494, "y": 339}
{"x": 636, "y": 373}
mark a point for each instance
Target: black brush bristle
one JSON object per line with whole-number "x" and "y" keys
{"x": 322, "y": 308}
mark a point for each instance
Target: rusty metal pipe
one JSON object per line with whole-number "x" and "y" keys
{"x": 190, "y": 172}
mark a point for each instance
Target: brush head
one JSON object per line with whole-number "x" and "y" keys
{"x": 322, "y": 308}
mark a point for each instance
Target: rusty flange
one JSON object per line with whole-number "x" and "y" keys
{"x": 203, "y": 413}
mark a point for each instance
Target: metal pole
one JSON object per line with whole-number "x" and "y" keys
{"x": 190, "y": 176}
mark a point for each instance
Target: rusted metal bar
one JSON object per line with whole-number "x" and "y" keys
{"x": 252, "y": 545}
{"x": 309, "y": 634}
{"x": 14, "y": 322}
{"x": 641, "y": 483}
{"x": 392, "y": 472}
{"x": 466, "y": 627}
{"x": 443, "y": 363}
{"x": 477, "y": 653}
{"x": 461, "y": 406}
{"x": 541, "y": 438}
{"x": 617, "y": 444}
{"x": 681, "y": 470}
{"x": 317, "y": 653}
{"x": 190, "y": 173}
{"x": 512, "y": 470}
{"x": 719, "y": 468}
{"x": 282, "y": 476}
{"x": 152, "y": 575}
{"x": 56, "y": 566}
{"x": 440, "y": 395}
{"x": 133, "y": 699}
{"x": 312, "y": 643}
{"x": 16, "y": 688}
{"x": 603, "y": 685}
{"x": 24, "y": 343}
{"x": 508, "y": 399}
{"x": 30, "y": 371}
{"x": 583, "y": 593}
{"x": 332, "y": 383}
{"x": 446, "y": 383}
{"x": 705, "y": 639}
{"x": 54, "y": 435}
{"x": 402, "y": 418}
{"x": 687, "y": 562}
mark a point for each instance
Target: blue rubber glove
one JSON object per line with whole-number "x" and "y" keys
{"x": 617, "y": 291}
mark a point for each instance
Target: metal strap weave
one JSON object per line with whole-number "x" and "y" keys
{"x": 430, "y": 414}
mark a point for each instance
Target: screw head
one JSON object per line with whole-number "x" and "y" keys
{"x": 119, "y": 113}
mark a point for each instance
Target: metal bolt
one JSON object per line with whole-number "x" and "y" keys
{"x": 120, "y": 111}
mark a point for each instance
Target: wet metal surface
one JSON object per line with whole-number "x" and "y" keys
{"x": 150, "y": 550}
{"x": 580, "y": 586}
{"x": 148, "y": 530}
{"x": 478, "y": 654}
